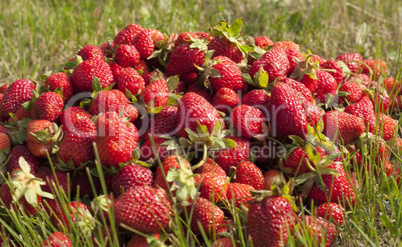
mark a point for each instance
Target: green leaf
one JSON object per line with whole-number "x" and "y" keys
{"x": 235, "y": 27}
{"x": 42, "y": 136}
{"x": 263, "y": 79}
{"x": 172, "y": 83}
{"x": 96, "y": 85}
{"x": 312, "y": 154}
{"x": 248, "y": 79}
{"x": 229, "y": 143}
{"x": 297, "y": 140}
{"x": 70, "y": 64}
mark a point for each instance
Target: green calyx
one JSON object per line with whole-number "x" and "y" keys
{"x": 53, "y": 135}
{"x": 305, "y": 67}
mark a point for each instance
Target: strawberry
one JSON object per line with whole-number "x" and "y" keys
{"x": 205, "y": 215}
{"x": 108, "y": 49}
{"x": 114, "y": 140}
{"x": 353, "y": 66}
{"x": 155, "y": 95}
{"x": 295, "y": 162}
{"x": 125, "y": 36}
{"x": 262, "y": 41}
{"x": 60, "y": 80}
{"x": 184, "y": 38}
{"x": 146, "y": 41}
{"x": 387, "y": 126}
{"x": 248, "y": 121}
{"x": 225, "y": 100}
{"x": 185, "y": 58}
{"x": 323, "y": 233}
{"x": 164, "y": 123}
{"x": 213, "y": 187}
{"x": 299, "y": 87}
{"x": 392, "y": 86}
{"x": 22, "y": 151}
{"x": 211, "y": 166}
{"x": 239, "y": 194}
{"x": 130, "y": 80}
{"x": 274, "y": 62}
{"x": 17, "y": 93}
{"x": 141, "y": 67}
{"x": 331, "y": 212}
{"x": 232, "y": 156}
{"x": 365, "y": 110}
{"x": 71, "y": 115}
{"x": 362, "y": 79}
{"x": 381, "y": 101}
{"x": 140, "y": 241}
{"x": 107, "y": 101}
{"x": 270, "y": 220}
{"x": 352, "y": 89}
{"x": 171, "y": 162}
{"x": 206, "y": 94}
{"x": 223, "y": 242}
{"x": 84, "y": 74}
{"x": 57, "y": 239}
{"x": 147, "y": 151}
{"x": 326, "y": 84}
{"x": 248, "y": 173}
{"x": 144, "y": 209}
{"x": 127, "y": 56}
{"x": 192, "y": 109}
{"x": 130, "y": 112}
{"x": 155, "y": 74}
{"x": 272, "y": 176}
{"x": 48, "y": 106}
{"x": 224, "y": 47}
{"x": 43, "y": 135}
{"x": 81, "y": 185}
{"x": 286, "y": 107}
{"x": 131, "y": 176}
{"x": 90, "y": 52}
{"x": 256, "y": 97}
{"x": 377, "y": 66}
{"x": 333, "y": 65}
{"x": 3, "y": 88}
{"x": 342, "y": 127}
{"x": 292, "y": 50}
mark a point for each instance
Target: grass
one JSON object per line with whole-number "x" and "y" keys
{"x": 37, "y": 37}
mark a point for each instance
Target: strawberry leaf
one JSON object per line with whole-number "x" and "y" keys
{"x": 313, "y": 154}
{"x": 235, "y": 27}
{"x": 96, "y": 85}
{"x": 172, "y": 83}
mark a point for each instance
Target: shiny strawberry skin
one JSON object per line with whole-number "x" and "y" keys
{"x": 326, "y": 84}
{"x": 263, "y": 41}
{"x": 23, "y": 151}
{"x": 108, "y": 100}
{"x": 274, "y": 62}
{"x": 331, "y": 212}
{"x": 57, "y": 239}
{"x": 353, "y": 89}
{"x": 248, "y": 121}
{"x": 164, "y": 123}
{"x": 232, "y": 156}
{"x": 248, "y": 173}
{"x": 183, "y": 59}
{"x": 224, "y": 47}
{"x": 207, "y": 214}
{"x": 239, "y": 193}
{"x": 296, "y": 160}
{"x": 63, "y": 81}
{"x": 167, "y": 164}
{"x": 90, "y": 52}
{"x": 127, "y": 56}
{"x": 211, "y": 166}
{"x": 318, "y": 229}
{"x": 364, "y": 109}
{"x": 130, "y": 80}
{"x": 342, "y": 126}
{"x": 377, "y": 66}
{"x": 256, "y": 97}
{"x": 270, "y": 177}
{"x": 126, "y": 35}
{"x": 145, "y": 42}
{"x": 230, "y": 76}
{"x": 18, "y": 92}
{"x": 225, "y": 100}
{"x": 206, "y": 94}
{"x": 155, "y": 94}
{"x": 70, "y": 115}
{"x": 333, "y": 65}
{"x": 147, "y": 151}
{"x": 48, "y": 106}
{"x": 144, "y": 209}
{"x": 292, "y": 50}
{"x": 353, "y": 66}
{"x": 388, "y": 126}
{"x": 213, "y": 187}
{"x": 36, "y": 147}
{"x": 300, "y": 88}
{"x": 83, "y": 75}
{"x": 131, "y": 176}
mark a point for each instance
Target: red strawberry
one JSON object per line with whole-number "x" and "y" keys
{"x": 361, "y": 79}
{"x": 114, "y": 140}
{"x": 270, "y": 177}
{"x": 82, "y": 185}
{"x": 292, "y": 50}
{"x": 296, "y": 161}
{"x": 331, "y": 212}
{"x": 45, "y": 172}
{"x": 239, "y": 193}
{"x": 39, "y": 147}
{"x": 127, "y": 56}
{"x": 248, "y": 173}
{"x": 274, "y": 62}
{"x": 22, "y": 151}
{"x": 192, "y": 109}
{"x": 164, "y": 123}
{"x": 146, "y": 42}
{"x": 130, "y": 80}
{"x": 387, "y": 126}
{"x": 207, "y": 215}
{"x": 225, "y": 100}
{"x": 206, "y": 94}
{"x": 262, "y": 41}
{"x": 155, "y": 95}
{"x": 381, "y": 102}
{"x": 248, "y": 121}
{"x": 108, "y": 100}
{"x": 63, "y": 81}
{"x": 17, "y": 93}
{"x": 147, "y": 151}
{"x": 48, "y": 106}
{"x": 76, "y": 213}
{"x": 392, "y": 86}
{"x": 107, "y": 49}
{"x": 232, "y": 156}
{"x": 144, "y": 209}
{"x": 170, "y": 162}
{"x": 141, "y": 67}
{"x": 353, "y": 89}
{"x": 213, "y": 187}
{"x": 353, "y": 66}
{"x": 317, "y": 229}
{"x": 224, "y": 47}
{"x": 326, "y": 84}
{"x": 342, "y": 127}
{"x": 126, "y": 35}
{"x": 57, "y": 239}
{"x": 84, "y": 74}
{"x": 70, "y": 116}
{"x": 299, "y": 87}
{"x": 211, "y": 166}
{"x": 364, "y": 109}
{"x": 257, "y": 97}
{"x": 140, "y": 241}
{"x": 131, "y": 176}
{"x": 377, "y": 66}
{"x": 3, "y": 88}
{"x": 90, "y": 52}
{"x": 333, "y": 65}
{"x": 223, "y": 242}
{"x": 153, "y": 75}
{"x": 184, "y": 58}
{"x": 184, "y": 38}
{"x": 229, "y": 75}
{"x": 130, "y": 112}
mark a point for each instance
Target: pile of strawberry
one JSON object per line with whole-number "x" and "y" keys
{"x": 198, "y": 132}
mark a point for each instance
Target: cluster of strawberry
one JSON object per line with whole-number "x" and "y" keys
{"x": 198, "y": 126}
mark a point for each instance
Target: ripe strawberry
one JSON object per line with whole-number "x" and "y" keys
{"x": 300, "y": 88}
{"x": 57, "y": 239}
{"x": 126, "y": 35}
{"x": 225, "y": 100}
{"x": 81, "y": 185}
{"x": 342, "y": 127}
{"x": 256, "y": 97}
{"x": 206, "y": 94}
{"x": 211, "y": 166}
{"x": 333, "y": 65}
{"x": 274, "y": 62}
{"x": 71, "y": 115}
{"x": 39, "y": 147}
{"x": 155, "y": 74}
{"x": 317, "y": 229}
{"x": 353, "y": 66}
{"x": 164, "y": 123}
{"x": 331, "y": 212}
{"x": 130, "y": 112}
{"x": 381, "y": 101}
{"x": 107, "y": 101}
{"x": 114, "y": 140}
{"x": 270, "y": 177}
{"x": 144, "y": 209}
{"x": 377, "y": 66}
{"x": 387, "y": 126}
{"x": 213, "y": 187}
{"x": 248, "y": 121}
{"x": 392, "y": 86}
{"x": 248, "y": 173}
{"x": 131, "y": 176}
{"x": 90, "y": 52}
{"x": 167, "y": 164}
{"x": 229, "y": 75}
{"x": 239, "y": 193}
{"x": 84, "y": 74}
{"x": 48, "y": 106}
{"x": 130, "y": 80}
{"x": 146, "y": 42}
{"x": 232, "y": 156}
{"x": 155, "y": 95}
{"x": 108, "y": 49}
{"x": 364, "y": 109}
{"x": 45, "y": 172}
{"x": 296, "y": 161}
{"x": 262, "y": 41}
{"x": 207, "y": 215}
{"x": 192, "y": 109}
{"x": 353, "y": 89}
{"x": 287, "y": 107}
{"x": 362, "y": 79}
{"x": 224, "y": 47}
{"x": 147, "y": 151}
{"x": 223, "y": 242}
{"x": 63, "y": 81}
{"x": 127, "y": 56}
{"x": 292, "y": 50}
{"x": 3, "y": 88}
{"x": 142, "y": 67}
{"x": 326, "y": 84}
{"x": 17, "y": 93}
{"x": 184, "y": 38}
{"x": 140, "y": 241}
{"x": 184, "y": 58}
{"x": 23, "y": 151}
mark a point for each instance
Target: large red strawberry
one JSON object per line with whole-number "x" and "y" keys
{"x": 127, "y": 56}
{"x": 163, "y": 123}
{"x": 48, "y": 106}
{"x": 292, "y": 51}
{"x": 319, "y": 231}
{"x": 18, "y": 92}
{"x": 114, "y": 140}
{"x": 60, "y": 80}
{"x": 377, "y": 66}
{"x": 155, "y": 95}
{"x": 342, "y": 127}
{"x": 202, "y": 91}
{"x": 144, "y": 209}
{"x": 365, "y": 110}
{"x": 63, "y": 182}
{"x": 171, "y": 162}
{"x": 330, "y": 211}
{"x": 239, "y": 193}
{"x": 213, "y": 187}
{"x": 186, "y": 57}
{"x": 299, "y": 87}
{"x": 129, "y": 80}
{"x": 131, "y": 176}
{"x": 248, "y": 121}
{"x": 225, "y": 100}
{"x": 348, "y": 57}
{"x": 205, "y": 215}
{"x": 353, "y": 90}
{"x": 232, "y": 156}
{"x": 126, "y": 35}
{"x": 90, "y": 52}
{"x": 333, "y": 65}
{"x": 326, "y": 84}
{"x": 57, "y": 239}
{"x": 146, "y": 41}
{"x": 256, "y": 97}
{"x": 84, "y": 74}
{"x": 71, "y": 115}
{"x": 248, "y": 173}
{"x": 274, "y": 62}
{"x": 108, "y": 100}
{"x": 295, "y": 162}
{"x": 42, "y": 137}
{"x": 211, "y": 166}
{"x": 387, "y": 126}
